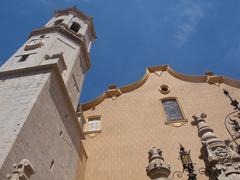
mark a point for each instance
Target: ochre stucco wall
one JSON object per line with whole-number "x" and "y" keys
{"x": 135, "y": 121}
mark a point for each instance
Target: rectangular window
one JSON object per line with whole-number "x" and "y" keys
{"x": 93, "y": 124}
{"x": 172, "y": 110}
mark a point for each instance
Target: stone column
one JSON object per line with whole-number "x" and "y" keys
{"x": 157, "y": 168}
{"x": 222, "y": 162}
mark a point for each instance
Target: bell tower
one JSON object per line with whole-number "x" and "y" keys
{"x": 40, "y": 86}
{"x": 66, "y": 41}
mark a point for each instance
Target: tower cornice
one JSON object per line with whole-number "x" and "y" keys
{"x": 81, "y": 15}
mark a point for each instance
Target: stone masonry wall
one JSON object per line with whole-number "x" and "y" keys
{"x": 50, "y": 138}
{"x": 17, "y": 96}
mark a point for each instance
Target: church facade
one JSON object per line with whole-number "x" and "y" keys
{"x": 166, "y": 125}
{"x": 158, "y": 111}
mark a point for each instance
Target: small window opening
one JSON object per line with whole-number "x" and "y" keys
{"x": 52, "y": 165}
{"x": 75, "y": 27}
{"x": 61, "y": 134}
{"x": 58, "y": 22}
{"x": 93, "y": 124}
{"x": 23, "y": 58}
{"x": 164, "y": 89}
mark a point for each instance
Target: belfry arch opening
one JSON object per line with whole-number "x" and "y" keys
{"x": 75, "y": 27}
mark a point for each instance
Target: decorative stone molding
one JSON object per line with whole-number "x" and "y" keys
{"x": 177, "y": 124}
{"x": 157, "y": 167}
{"x": 164, "y": 89}
{"x": 64, "y": 31}
{"x": 113, "y": 91}
{"x": 22, "y": 171}
{"x": 214, "y": 79}
{"x": 33, "y": 45}
{"x": 56, "y": 58}
{"x": 81, "y": 15}
{"x": 222, "y": 162}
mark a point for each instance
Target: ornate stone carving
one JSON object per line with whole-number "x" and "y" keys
{"x": 22, "y": 171}
{"x": 34, "y": 44}
{"x": 177, "y": 124}
{"x": 222, "y": 162}
{"x": 157, "y": 168}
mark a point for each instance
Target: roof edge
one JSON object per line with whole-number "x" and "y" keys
{"x": 111, "y": 93}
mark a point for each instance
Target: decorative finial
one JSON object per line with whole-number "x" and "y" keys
{"x": 157, "y": 168}
{"x": 234, "y": 102}
{"x": 197, "y": 119}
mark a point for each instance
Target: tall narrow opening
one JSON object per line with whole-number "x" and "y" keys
{"x": 52, "y": 165}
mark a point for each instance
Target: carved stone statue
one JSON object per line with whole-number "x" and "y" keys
{"x": 222, "y": 162}
{"x": 157, "y": 167}
{"x": 22, "y": 171}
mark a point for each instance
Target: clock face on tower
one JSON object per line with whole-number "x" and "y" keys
{"x": 33, "y": 44}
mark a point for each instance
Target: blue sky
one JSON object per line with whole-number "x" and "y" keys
{"x": 193, "y": 36}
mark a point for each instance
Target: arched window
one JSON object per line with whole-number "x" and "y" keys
{"x": 172, "y": 110}
{"x": 75, "y": 27}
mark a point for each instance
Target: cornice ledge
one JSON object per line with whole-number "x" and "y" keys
{"x": 211, "y": 79}
{"x": 231, "y": 82}
{"x": 72, "y": 10}
{"x": 93, "y": 103}
{"x": 79, "y": 39}
{"x": 185, "y": 77}
{"x": 81, "y": 15}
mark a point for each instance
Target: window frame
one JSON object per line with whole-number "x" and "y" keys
{"x": 74, "y": 25}
{"x": 89, "y": 131}
{"x": 180, "y": 108}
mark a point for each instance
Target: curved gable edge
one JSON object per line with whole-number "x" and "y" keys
{"x": 110, "y": 93}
